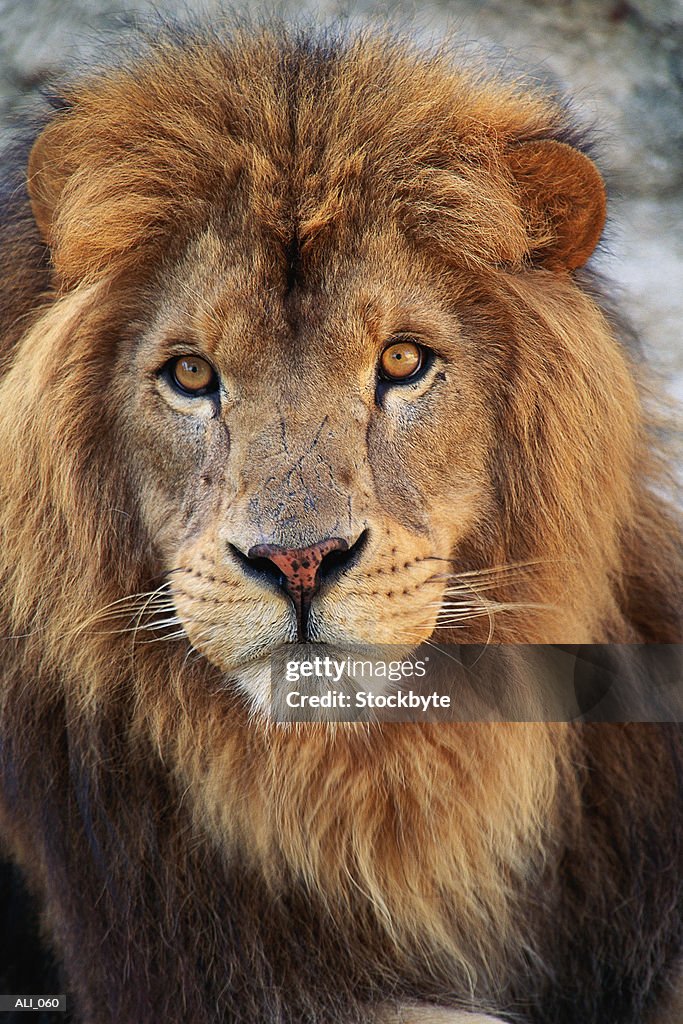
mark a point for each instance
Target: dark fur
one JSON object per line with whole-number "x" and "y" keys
{"x": 150, "y": 927}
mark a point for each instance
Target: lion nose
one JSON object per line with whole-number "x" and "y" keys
{"x": 300, "y": 571}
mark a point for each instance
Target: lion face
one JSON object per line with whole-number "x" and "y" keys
{"x": 302, "y": 436}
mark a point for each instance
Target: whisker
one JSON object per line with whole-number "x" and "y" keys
{"x": 160, "y": 608}
{"x": 503, "y": 568}
{"x": 174, "y": 620}
{"x": 120, "y": 607}
{"x": 492, "y": 583}
{"x": 152, "y": 626}
{"x": 143, "y": 610}
{"x": 180, "y": 635}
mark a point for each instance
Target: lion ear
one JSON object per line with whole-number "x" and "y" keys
{"x": 564, "y": 202}
{"x": 46, "y": 178}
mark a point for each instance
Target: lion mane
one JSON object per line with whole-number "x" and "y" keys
{"x": 191, "y": 860}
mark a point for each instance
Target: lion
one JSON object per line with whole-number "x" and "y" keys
{"x": 300, "y": 346}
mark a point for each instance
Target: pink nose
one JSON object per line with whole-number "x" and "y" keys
{"x": 300, "y": 571}
{"x": 299, "y": 566}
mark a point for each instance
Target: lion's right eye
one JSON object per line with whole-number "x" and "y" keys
{"x": 401, "y": 360}
{"x": 192, "y": 375}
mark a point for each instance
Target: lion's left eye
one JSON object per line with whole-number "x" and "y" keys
{"x": 402, "y": 360}
{"x": 192, "y": 375}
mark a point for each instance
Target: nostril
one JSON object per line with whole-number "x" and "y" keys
{"x": 336, "y": 562}
{"x": 259, "y": 564}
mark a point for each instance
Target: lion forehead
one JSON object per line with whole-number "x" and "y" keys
{"x": 295, "y": 144}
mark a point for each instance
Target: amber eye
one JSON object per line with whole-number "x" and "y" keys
{"x": 402, "y": 360}
{"x": 193, "y": 375}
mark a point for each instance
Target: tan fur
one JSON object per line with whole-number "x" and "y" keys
{"x": 303, "y": 799}
{"x": 434, "y": 1015}
{"x": 521, "y": 508}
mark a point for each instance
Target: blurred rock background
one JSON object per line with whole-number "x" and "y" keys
{"x": 620, "y": 60}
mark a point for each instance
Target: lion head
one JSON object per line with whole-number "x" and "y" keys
{"x": 317, "y": 362}
{"x": 355, "y": 390}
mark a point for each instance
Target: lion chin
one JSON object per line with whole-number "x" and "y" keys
{"x": 301, "y": 354}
